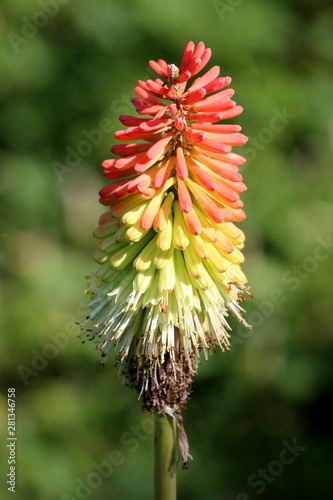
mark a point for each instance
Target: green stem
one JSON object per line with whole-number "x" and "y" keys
{"x": 165, "y": 458}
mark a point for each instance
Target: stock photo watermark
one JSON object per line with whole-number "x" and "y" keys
{"x": 84, "y": 148}
{"x": 262, "y": 477}
{"x": 75, "y": 155}
{"x": 30, "y": 27}
{"x": 279, "y": 121}
{"x": 92, "y": 138}
{"x": 11, "y": 439}
{"x": 225, "y": 8}
{"x": 57, "y": 343}
{"x": 130, "y": 441}
{"x": 293, "y": 278}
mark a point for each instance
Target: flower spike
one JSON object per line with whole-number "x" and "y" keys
{"x": 169, "y": 253}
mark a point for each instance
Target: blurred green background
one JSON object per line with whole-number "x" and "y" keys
{"x": 64, "y": 67}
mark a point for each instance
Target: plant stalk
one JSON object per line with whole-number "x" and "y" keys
{"x": 165, "y": 456}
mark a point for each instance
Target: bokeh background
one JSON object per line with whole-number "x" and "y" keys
{"x": 65, "y": 66}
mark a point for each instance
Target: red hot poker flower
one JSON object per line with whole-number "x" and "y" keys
{"x": 168, "y": 250}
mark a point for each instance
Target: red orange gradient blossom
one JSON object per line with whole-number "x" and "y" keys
{"x": 169, "y": 254}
